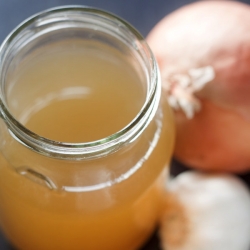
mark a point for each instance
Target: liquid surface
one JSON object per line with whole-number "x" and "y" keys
{"x": 79, "y": 92}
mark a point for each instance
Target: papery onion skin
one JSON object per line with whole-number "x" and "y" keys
{"x": 217, "y": 34}
{"x": 216, "y": 139}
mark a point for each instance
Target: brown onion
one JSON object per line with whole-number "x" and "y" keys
{"x": 208, "y": 40}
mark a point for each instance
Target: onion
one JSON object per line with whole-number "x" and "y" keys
{"x": 203, "y": 51}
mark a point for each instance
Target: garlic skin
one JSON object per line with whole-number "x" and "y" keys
{"x": 206, "y": 212}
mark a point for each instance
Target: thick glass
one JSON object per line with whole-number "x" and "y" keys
{"x": 96, "y": 180}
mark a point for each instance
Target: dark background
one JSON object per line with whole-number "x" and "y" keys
{"x": 142, "y": 14}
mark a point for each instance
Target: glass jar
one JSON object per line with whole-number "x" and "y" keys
{"x": 102, "y": 188}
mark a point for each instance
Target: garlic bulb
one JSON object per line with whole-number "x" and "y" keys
{"x": 206, "y": 212}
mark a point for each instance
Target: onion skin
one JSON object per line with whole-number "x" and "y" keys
{"x": 217, "y": 34}
{"x": 212, "y": 140}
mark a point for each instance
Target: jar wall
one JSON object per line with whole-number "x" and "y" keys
{"x": 108, "y": 201}
{"x": 124, "y": 212}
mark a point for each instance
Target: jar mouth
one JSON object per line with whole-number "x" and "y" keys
{"x": 101, "y": 147}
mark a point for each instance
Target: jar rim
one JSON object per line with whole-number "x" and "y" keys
{"x": 67, "y": 150}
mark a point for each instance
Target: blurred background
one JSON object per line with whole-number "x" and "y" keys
{"x": 143, "y": 14}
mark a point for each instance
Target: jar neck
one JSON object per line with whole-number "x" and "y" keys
{"x": 66, "y": 18}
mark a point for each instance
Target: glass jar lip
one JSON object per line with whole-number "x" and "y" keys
{"x": 99, "y": 147}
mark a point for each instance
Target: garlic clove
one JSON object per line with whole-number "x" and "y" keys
{"x": 206, "y": 212}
